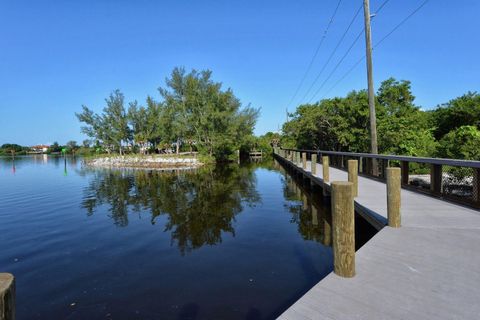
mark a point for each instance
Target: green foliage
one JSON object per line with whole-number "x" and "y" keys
{"x": 111, "y": 127}
{"x": 12, "y": 148}
{"x": 461, "y": 111}
{"x": 338, "y": 124}
{"x": 461, "y": 143}
{"x": 199, "y": 110}
{"x": 72, "y": 146}
{"x": 195, "y": 114}
{"x": 403, "y": 128}
{"x": 262, "y": 143}
{"x": 55, "y": 147}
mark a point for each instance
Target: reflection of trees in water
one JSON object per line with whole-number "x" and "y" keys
{"x": 312, "y": 217}
{"x": 199, "y": 204}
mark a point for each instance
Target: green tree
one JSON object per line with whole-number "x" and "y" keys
{"x": 145, "y": 124}
{"x": 55, "y": 147}
{"x": 339, "y": 124}
{"x": 342, "y": 123}
{"x": 461, "y": 111}
{"x": 197, "y": 109}
{"x": 402, "y": 127}
{"x": 461, "y": 143}
{"x": 111, "y": 127}
{"x": 72, "y": 146}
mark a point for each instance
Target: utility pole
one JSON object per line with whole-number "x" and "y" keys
{"x": 371, "y": 93}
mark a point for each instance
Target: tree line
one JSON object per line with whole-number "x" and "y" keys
{"x": 194, "y": 114}
{"x": 71, "y": 147}
{"x": 451, "y": 130}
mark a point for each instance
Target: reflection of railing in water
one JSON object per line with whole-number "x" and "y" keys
{"x": 452, "y": 179}
{"x": 313, "y": 215}
{"x": 342, "y": 193}
{"x": 255, "y": 155}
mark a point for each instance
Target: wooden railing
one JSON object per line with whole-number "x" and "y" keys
{"x": 452, "y": 179}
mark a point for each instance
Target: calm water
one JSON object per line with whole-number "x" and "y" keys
{"x": 217, "y": 243}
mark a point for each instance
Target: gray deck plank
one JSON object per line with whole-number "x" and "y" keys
{"x": 427, "y": 269}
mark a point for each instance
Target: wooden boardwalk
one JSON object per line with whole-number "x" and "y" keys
{"x": 427, "y": 269}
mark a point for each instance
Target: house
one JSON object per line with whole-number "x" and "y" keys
{"x": 41, "y": 148}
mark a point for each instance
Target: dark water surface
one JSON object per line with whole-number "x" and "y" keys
{"x": 231, "y": 242}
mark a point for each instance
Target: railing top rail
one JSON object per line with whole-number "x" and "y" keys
{"x": 439, "y": 161}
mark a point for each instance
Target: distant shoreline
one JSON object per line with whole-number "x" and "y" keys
{"x": 163, "y": 162}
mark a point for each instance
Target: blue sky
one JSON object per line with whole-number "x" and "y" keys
{"x": 57, "y": 55}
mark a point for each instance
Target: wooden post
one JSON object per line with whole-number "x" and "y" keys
{"x": 343, "y": 218}
{"x": 436, "y": 178}
{"x": 325, "y": 174}
{"x": 325, "y": 167}
{"x": 314, "y": 216}
{"x": 304, "y": 160}
{"x": 313, "y": 164}
{"x": 353, "y": 175}
{"x": 394, "y": 197}
{"x": 371, "y": 91}
{"x": 327, "y": 233}
{"x": 405, "y": 171}
{"x": 7, "y": 296}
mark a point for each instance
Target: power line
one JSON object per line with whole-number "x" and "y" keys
{"x": 402, "y": 22}
{"x": 377, "y": 44}
{"x": 315, "y": 54}
{"x": 333, "y": 53}
{"x": 381, "y": 7}
{"x": 337, "y": 65}
{"x": 346, "y": 53}
{"x": 344, "y": 76}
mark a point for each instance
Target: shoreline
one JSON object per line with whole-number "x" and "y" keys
{"x": 157, "y": 162}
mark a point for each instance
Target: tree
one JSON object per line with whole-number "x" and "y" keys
{"x": 145, "y": 124}
{"x": 197, "y": 109}
{"x": 55, "y": 147}
{"x": 403, "y": 128}
{"x": 461, "y": 143}
{"x": 461, "y": 111}
{"x": 72, "y": 146}
{"x": 111, "y": 127}
{"x": 342, "y": 123}
{"x": 339, "y": 124}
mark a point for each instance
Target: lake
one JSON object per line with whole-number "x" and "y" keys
{"x": 225, "y": 242}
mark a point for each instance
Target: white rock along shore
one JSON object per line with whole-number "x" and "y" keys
{"x": 153, "y": 162}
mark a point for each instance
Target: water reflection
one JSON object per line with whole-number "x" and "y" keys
{"x": 311, "y": 211}
{"x": 313, "y": 217}
{"x": 199, "y": 205}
